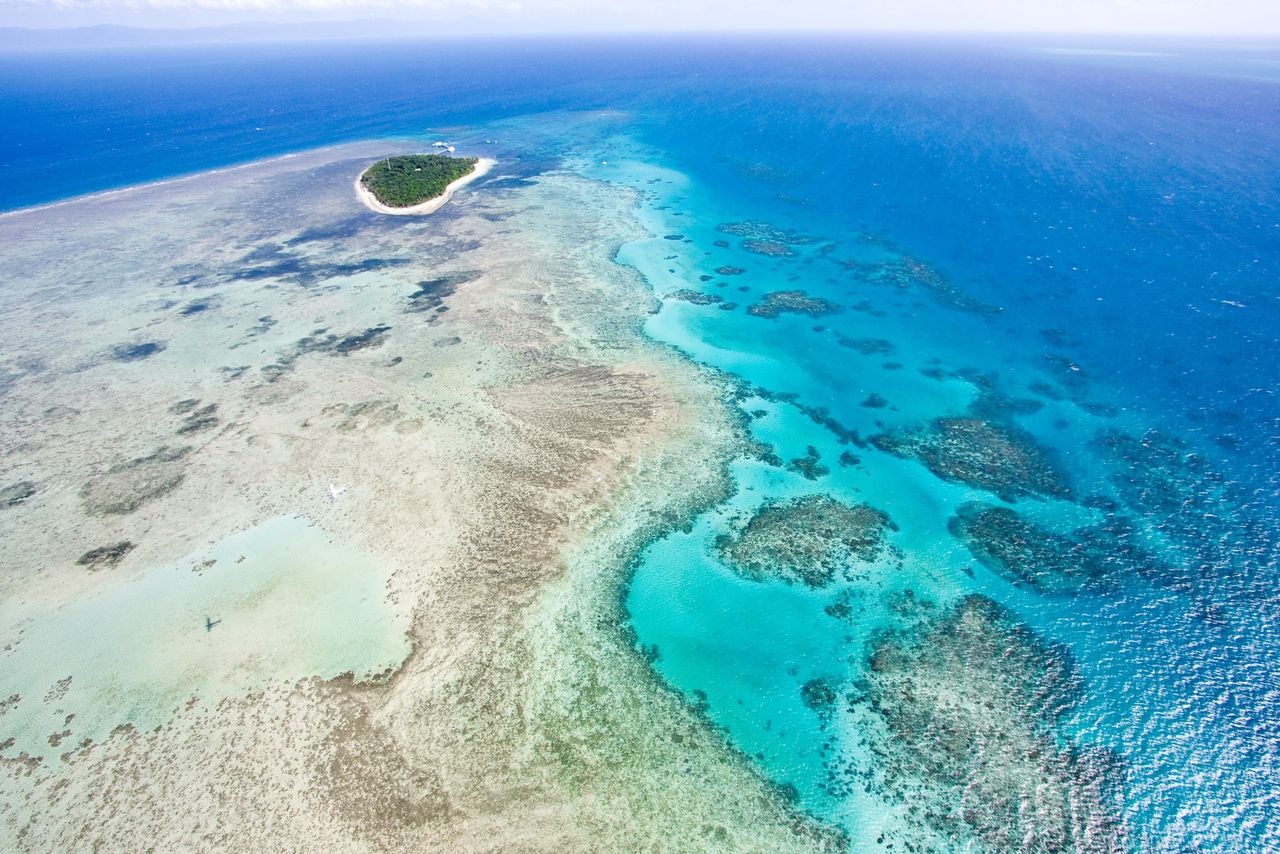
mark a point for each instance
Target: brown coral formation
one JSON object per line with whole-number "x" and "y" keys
{"x": 808, "y": 541}
{"x": 1000, "y": 458}
{"x": 794, "y": 302}
{"x": 1090, "y": 559}
{"x": 972, "y": 702}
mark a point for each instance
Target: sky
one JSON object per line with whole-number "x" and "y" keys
{"x": 1171, "y": 17}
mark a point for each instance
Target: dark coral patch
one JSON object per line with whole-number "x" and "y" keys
{"x": 125, "y": 487}
{"x": 105, "y": 556}
{"x": 810, "y": 465}
{"x": 136, "y": 352}
{"x": 908, "y": 273}
{"x": 979, "y": 453}
{"x": 974, "y": 702}
{"x": 867, "y": 346}
{"x": 1157, "y": 473}
{"x": 16, "y": 493}
{"x": 273, "y": 262}
{"x": 695, "y": 297}
{"x": 763, "y": 231}
{"x": 336, "y": 231}
{"x": 198, "y": 418}
{"x": 431, "y": 293}
{"x": 994, "y": 406}
{"x": 198, "y": 425}
{"x": 323, "y": 341}
{"x": 1090, "y": 559}
{"x": 806, "y": 540}
{"x": 1169, "y": 482}
{"x": 768, "y": 248}
{"x": 795, "y": 302}
{"x": 819, "y": 695}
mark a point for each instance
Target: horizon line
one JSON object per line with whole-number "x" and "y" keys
{"x": 833, "y": 32}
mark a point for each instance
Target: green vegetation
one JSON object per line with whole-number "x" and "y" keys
{"x": 411, "y": 179}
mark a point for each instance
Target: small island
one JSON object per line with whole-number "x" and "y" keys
{"x": 417, "y": 183}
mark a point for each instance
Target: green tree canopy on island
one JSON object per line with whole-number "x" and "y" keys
{"x": 411, "y": 179}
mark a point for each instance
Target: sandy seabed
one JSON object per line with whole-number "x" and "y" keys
{"x": 188, "y": 367}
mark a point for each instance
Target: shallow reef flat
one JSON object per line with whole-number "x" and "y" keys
{"x": 190, "y": 366}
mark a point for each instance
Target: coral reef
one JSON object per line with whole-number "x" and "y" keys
{"x": 136, "y": 352}
{"x": 431, "y": 293}
{"x": 16, "y": 493}
{"x": 765, "y": 232}
{"x": 867, "y": 346}
{"x": 324, "y": 341}
{"x": 105, "y": 556}
{"x": 125, "y": 487}
{"x": 796, "y": 302}
{"x": 810, "y": 465}
{"x": 906, "y": 273}
{"x": 695, "y": 297}
{"x": 999, "y": 458}
{"x": 273, "y": 262}
{"x": 1090, "y": 559}
{"x": 197, "y": 419}
{"x": 768, "y": 248}
{"x": 807, "y": 540}
{"x": 972, "y": 702}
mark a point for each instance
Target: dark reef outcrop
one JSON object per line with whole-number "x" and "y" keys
{"x": 695, "y": 297}
{"x": 431, "y": 293}
{"x": 795, "y": 302}
{"x": 807, "y": 540}
{"x": 763, "y": 231}
{"x": 1000, "y": 458}
{"x": 1089, "y": 559}
{"x": 105, "y": 557}
{"x": 973, "y": 703}
{"x": 136, "y": 352}
{"x": 16, "y": 493}
{"x": 125, "y": 487}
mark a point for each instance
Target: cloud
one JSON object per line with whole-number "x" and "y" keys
{"x": 265, "y": 5}
{"x": 1201, "y": 17}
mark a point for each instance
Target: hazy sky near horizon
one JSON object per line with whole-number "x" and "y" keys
{"x": 1180, "y": 17}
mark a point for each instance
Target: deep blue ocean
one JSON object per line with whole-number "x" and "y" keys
{"x": 1085, "y": 240}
